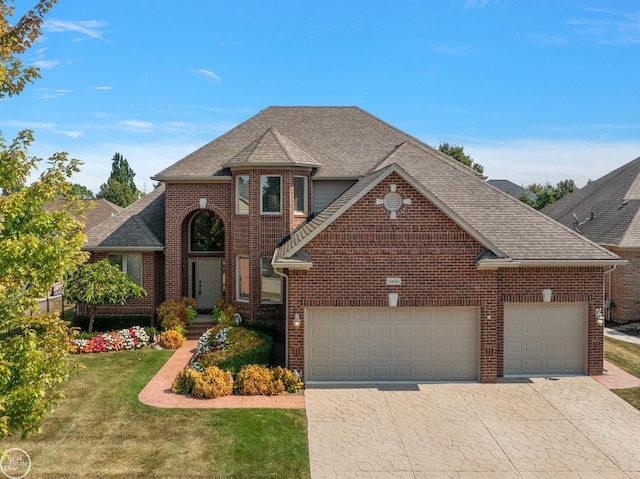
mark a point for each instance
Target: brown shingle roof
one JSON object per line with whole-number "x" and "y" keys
{"x": 509, "y": 229}
{"x": 139, "y": 226}
{"x": 614, "y": 201}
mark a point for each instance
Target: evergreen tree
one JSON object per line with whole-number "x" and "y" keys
{"x": 120, "y": 188}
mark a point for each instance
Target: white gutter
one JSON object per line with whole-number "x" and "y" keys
{"x": 609, "y": 271}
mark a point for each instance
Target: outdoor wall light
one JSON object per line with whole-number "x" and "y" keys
{"x": 599, "y": 317}
{"x": 546, "y": 295}
{"x": 296, "y": 320}
{"x": 393, "y": 299}
{"x": 203, "y": 203}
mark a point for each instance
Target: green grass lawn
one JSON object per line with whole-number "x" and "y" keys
{"x": 101, "y": 430}
{"x": 626, "y": 356}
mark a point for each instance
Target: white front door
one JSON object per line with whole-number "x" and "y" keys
{"x": 205, "y": 281}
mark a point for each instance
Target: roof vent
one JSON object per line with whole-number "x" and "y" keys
{"x": 393, "y": 202}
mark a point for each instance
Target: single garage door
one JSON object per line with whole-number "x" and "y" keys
{"x": 545, "y": 339}
{"x": 391, "y": 344}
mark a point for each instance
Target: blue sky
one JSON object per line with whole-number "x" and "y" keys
{"x": 535, "y": 91}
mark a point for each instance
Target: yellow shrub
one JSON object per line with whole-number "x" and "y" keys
{"x": 171, "y": 339}
{"x": 213, "y": 383}
{"x": 185, "y": 381}
{"x": 256, "y": 380}
{"x": 289, "y": 379}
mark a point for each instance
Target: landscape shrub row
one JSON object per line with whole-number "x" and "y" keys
{"x": 134, "y": 337}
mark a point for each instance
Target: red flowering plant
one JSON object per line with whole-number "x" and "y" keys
{"x": 130, "y": 338}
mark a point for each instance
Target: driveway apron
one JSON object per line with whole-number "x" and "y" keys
{"x": 568, "y": 427}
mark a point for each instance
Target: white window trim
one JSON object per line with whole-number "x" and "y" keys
{"x": 305, "y": 193}
{"x": 238, "y": 212}
{"x": 238, "y": 298}
{"x": 124, "y": 264}
{"x": 262, "y": 212}
{"x": 279, "y": 278}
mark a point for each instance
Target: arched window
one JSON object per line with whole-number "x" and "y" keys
{"x": 207, "y": 232}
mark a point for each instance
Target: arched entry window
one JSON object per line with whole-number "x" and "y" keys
{"x": 207, "y": 232}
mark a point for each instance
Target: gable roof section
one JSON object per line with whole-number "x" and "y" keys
{"x": 272, "y": 149}
{"x": 512, "y": 189}
{"x": 94, "y": 215}
{"x": 614, "y": 201}
{"x": 346, "y": 141}
{"x": 513, "y": 233}
{"x": 139, "y": 227}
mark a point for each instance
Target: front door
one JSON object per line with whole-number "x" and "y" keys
{"x": 205, "y": 281}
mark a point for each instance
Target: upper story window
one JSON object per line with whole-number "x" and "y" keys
{"x": 300, "y": 194}
{"x": 130, "y": 263}
{"x": 242, "y": 194}
{"x": 207, "y": 232}
{"x": 271, "y": 197}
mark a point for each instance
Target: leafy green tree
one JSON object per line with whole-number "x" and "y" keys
{"x": 457, "y": 153}
{"x": 37, "y": 247}
{"x": 100, "y": 284}
{"x": 547, "y": 193}
{"x": 81, "y": 191}
{"x": 120, "y": 188}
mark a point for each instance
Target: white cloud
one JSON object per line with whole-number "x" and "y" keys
{"x": 526, "y": 161}
{"x": 210, "y": 74}
{"x": 90, "y": 28}
{"x": 45, "y": 64}
{"x": 101, "y": 88}
{"x": 136, "y": 124}
{"x": 70, "y": 133}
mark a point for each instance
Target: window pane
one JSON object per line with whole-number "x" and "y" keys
{"x": 207, "y": 232}
{"x": 299, "y": 194}
{"x": 243, "y": 278}
{"x": 242, "y": 194}
{"x": 271, "y": 194}
{"x": 115, "y": 260}
{"x": 271, "y": 283}
{"x": 134, "y": 268}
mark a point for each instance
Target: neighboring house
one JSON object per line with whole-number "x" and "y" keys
{"x": 512, "y": 189}
{"x": 607, "y": 211}
{"x": 380, "y": 257}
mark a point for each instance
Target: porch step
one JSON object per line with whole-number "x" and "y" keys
{"x": 200, "y": 324}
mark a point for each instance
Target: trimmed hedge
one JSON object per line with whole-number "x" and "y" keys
{"x": 110, "y": 323}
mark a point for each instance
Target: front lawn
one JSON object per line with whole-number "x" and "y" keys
{"x": 626, "y": 356}
{"x": 101, "y": 430}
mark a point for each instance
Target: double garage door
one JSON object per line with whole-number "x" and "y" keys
{"x": 440, "y": 344}
{"x": 392, "y": 344}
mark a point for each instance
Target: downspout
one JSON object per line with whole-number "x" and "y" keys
{"x": 286, "y": 309}
{"x": 609, "y": 271}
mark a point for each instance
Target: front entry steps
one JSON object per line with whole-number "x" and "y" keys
{"x": 200, "y": 324}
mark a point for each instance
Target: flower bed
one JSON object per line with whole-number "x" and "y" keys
{"x": 130, "y": 338}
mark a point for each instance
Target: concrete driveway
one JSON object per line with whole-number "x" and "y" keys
{"x": 570, "y": 427}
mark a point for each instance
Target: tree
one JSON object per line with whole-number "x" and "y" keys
{"x": 100, "y": 284}
{"x": 81, "y": 191}
{"x": 547, "y": 193}
{"x": 37, "y": 247}
{"x": 457, "y": 153}
{"x": 120, "y": 188}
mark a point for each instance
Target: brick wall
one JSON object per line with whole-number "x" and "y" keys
{"x": 435, "y": 260}
{"x": 625, "y": 288}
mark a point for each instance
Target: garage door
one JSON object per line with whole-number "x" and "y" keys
{"x": 545, "y": 339}
{"x": 391, "y": 344}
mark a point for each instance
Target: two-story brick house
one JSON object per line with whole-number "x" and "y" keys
{"x": 380, "y": 257}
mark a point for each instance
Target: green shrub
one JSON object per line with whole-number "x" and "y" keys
{"x": 224, "y": 312}
{"x": 213, "y": 383}
{"x": 259, "y": 355}
{"x": 185, "y": 381}
{"x": 289, "y": 379}
{"x": 171, "y": 339}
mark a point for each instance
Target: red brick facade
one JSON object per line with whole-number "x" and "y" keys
{"x": 625, "y": 285}
{"x": 436, "y": 260}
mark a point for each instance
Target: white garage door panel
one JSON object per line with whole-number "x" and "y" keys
{"x": 391, "y": 344}
{"x": 545, "y": 339}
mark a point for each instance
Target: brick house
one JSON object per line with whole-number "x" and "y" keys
{"x": 379, "y": 257}
{"x": 607, "y": 211}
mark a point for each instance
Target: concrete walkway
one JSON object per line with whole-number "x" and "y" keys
{"x": 158, "y": 392}
{"x": 612, "y": 333}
